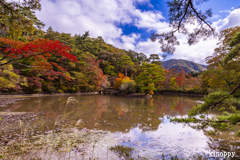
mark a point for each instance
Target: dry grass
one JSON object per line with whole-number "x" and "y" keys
{"x": 70, "y": 143}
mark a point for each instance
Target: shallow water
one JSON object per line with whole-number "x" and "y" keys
{"x": 137, "y": 122}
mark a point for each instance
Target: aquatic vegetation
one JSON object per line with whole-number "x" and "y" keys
{"x": 123, "y": 151}
{"x": 238, "y": 134}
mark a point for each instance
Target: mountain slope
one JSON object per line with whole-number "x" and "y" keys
{"x": 188, "y": 66}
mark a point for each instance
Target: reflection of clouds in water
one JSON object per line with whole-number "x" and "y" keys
{"x": 169, "y": 138}
{"x": 165, "y": 119}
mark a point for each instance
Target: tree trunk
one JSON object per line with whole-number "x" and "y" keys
{"x": 125, "y": 74}
{"x": 229, "y": 86}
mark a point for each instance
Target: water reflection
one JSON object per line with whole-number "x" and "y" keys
{"x": 225, "y": 142}
{"x": 139, "y": 122}
{"x": 169, "y": 139}
{"x": 113, "y": 113}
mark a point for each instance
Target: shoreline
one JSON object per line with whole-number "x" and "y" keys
{"x": 137, "y": 95}
{"x": 179, "y": 93}
{"x": 15, "y": 95}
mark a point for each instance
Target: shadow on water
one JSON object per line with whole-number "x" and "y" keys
{"x": 136, "y": 122}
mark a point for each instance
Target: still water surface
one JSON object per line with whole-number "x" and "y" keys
{"x": 137, "y": 122}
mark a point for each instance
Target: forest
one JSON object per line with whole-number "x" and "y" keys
{"x": 34, "y": 61}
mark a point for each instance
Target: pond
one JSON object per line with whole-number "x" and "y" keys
{"x": 141, "y": 123}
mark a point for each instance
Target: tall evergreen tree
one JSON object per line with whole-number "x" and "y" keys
{"x": 126, "y": 63}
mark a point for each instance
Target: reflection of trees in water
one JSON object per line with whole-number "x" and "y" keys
{"x": 131, "y": 113}
{"x": 173, "y": 105}
{"x": 112, "y": 112}
{"x": 38, "y": 104}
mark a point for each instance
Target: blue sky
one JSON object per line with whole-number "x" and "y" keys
{"x": 127, "y": 24}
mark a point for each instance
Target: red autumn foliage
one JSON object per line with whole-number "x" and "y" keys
{"x": 41, "y": 49}
{"x": 179, "y": 81}
{"x": 40, "y": 52}
{"x": 97, "y": 75}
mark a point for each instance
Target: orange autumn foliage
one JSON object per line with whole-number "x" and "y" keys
{"x": 120, "y": 80}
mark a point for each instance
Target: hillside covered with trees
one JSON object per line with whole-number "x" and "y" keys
{"x": 186, "y": 65}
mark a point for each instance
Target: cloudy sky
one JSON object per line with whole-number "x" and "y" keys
{"x": 128, "y": 24}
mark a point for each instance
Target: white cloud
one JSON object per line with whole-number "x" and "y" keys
{"x": 100, "y": 18}
{"x": 197, "y": 52}
{"x": 103, "y": 18}
{"x": 215, "y": 16}
{"x": 232, "y": 20}
{"x": 151, "y": 21}
{"x": 150, "y": 5}
{"x": 225, "y": 11}
{"x": 126, "y": 42}
{"x": 148, "y": 47}
{"x": 130, "y": 39}
{"x": 77, "y": 17}
{"x": 142, "y": 1}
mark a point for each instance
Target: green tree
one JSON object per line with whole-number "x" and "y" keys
{"x": 51, "y": 35}
{"x": 126, "y": 63}
{"x": 154, "y": 58}
{"x": 150, "y": 77}
{"x": 137, "y": 57}
{"x": 18, "y": 18}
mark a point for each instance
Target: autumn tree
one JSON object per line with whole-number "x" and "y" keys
{"x": 9, "y": 80}
{"x": 120, "y": 79}
{"x": 94, "y": 73}
{"x": 179, "y": 80}
{"x": 222, "y": 75}
{"x": 38, "y": 57}
{"x": 12, "y": 51}
{"x": 173, "y": 83}
{"x": 220, "y": 100}
{"x": 170, "y": 79}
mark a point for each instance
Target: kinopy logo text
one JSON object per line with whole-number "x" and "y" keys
{"x": 221, "y": 154}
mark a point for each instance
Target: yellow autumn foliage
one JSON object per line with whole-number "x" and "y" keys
{"x": 9, "y": 79}
{"x": 120, "y": 80}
